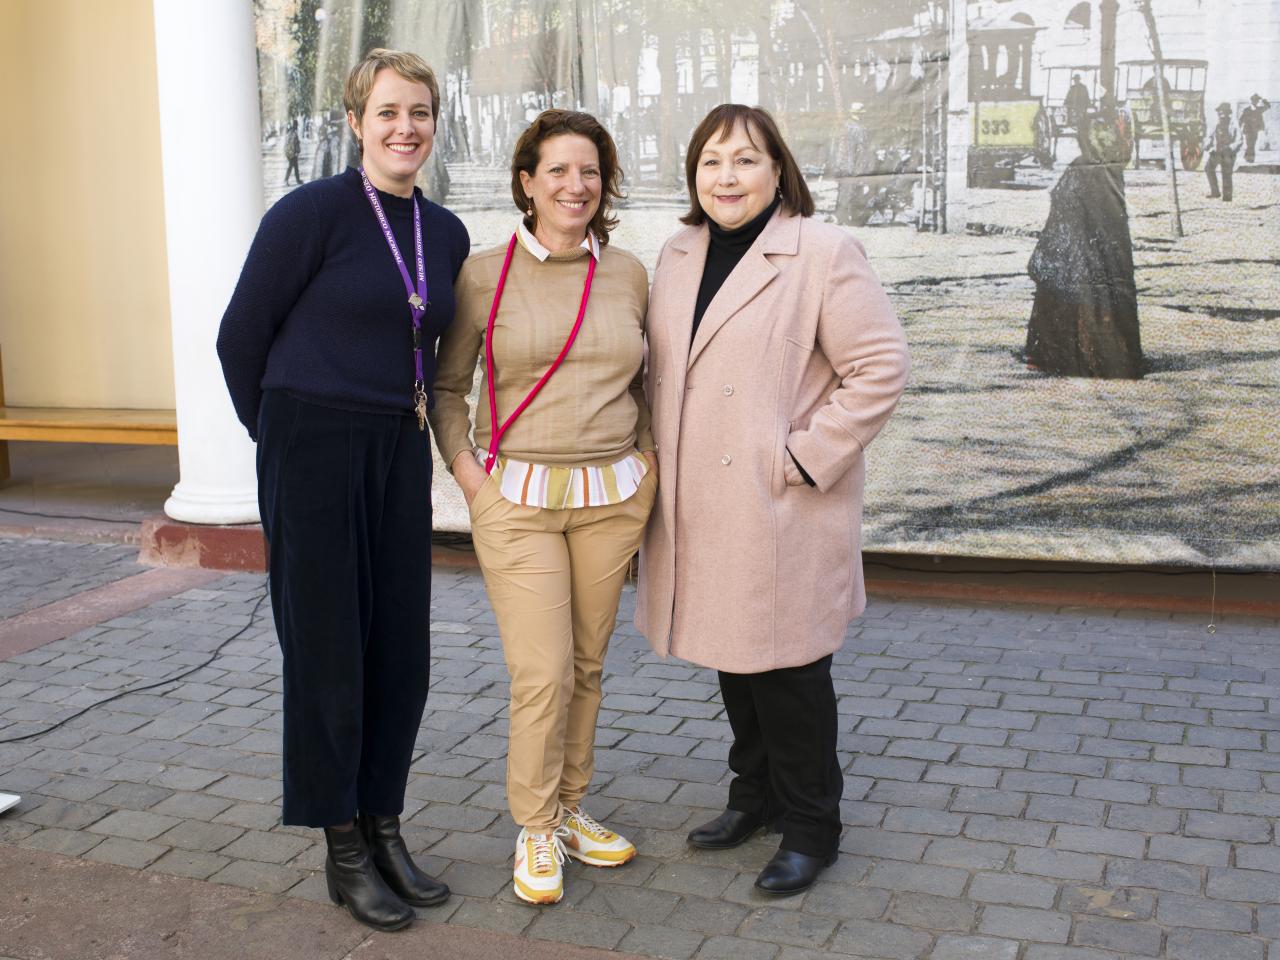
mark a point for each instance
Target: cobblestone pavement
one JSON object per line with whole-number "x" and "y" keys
{"x": 1021, "y": 783}
{"x": 36, "y": 572}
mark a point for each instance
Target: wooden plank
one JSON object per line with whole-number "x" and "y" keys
{"x": 77, "y": 425}
{"x": 89, "y": 417}
{"x": 72, "y": 434}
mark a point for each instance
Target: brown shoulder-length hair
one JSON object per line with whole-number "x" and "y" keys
{"x": 765, "y": 137}
{"x": 554, "y": 123}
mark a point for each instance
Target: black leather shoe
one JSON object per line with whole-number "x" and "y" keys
{"x": 391, "y": 857}
{"x": 790, "y": 872}
{"x": 730, "y": 829}
{"x": 355, "y": 883}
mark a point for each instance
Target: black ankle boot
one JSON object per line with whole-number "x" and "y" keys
{"x": 730, "y": 829}
{"x": 391, "y": 857}
{"x": 355, "y": 883}
{"x": 790, "y": 872}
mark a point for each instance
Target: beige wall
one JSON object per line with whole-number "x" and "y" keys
{"x": 84, "y": 314}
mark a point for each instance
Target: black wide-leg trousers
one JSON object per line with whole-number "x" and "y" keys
{"x": 345, "y": 499}
{"x": 784, "y": 752}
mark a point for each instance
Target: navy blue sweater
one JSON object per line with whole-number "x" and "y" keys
{"x": 320, "y": 309}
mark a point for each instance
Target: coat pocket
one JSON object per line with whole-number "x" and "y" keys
{"x": 795, "y": 359}
{"x": 791, "y": 475}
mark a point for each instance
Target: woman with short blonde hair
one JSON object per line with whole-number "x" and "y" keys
{"x": 328, "y": 351}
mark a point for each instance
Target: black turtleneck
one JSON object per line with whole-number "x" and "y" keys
{"x": 727, "y": 247}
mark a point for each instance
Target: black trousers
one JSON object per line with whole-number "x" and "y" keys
{"x": 1226, "y": 161}
{"x": 1250, "y": 145}
{"x": 784, "y": 752}
{"x": 346, "y": 506}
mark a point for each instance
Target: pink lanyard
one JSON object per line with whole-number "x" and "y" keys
{"x": 497, "y": 430}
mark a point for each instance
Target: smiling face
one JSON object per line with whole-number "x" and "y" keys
{"x": 564, "y": 190}
{"x": 397, "y": 131}
{"x": 736, "y": 180}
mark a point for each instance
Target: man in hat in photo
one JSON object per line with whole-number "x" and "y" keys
{"x": 1077, "y": 102}
{"x": 292, "y": 152}
{"x": 1252, "y": 124}
{"x": 1221, "y": 146}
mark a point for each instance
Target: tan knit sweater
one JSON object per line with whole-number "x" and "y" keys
{"x": 592, "y": 411}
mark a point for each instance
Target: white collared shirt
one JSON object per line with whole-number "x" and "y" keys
{"x": 534, "y": 246}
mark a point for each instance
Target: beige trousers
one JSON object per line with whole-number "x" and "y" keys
{"x": 554, "y": 578}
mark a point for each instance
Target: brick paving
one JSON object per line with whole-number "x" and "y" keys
{"x": 1021, "y": 783}
{"x": 37, "y": 572}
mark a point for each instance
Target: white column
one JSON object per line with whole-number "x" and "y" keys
{"x": 206, "y": 65}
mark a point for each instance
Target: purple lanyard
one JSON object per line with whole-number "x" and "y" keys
{"x": 418, "y": 301}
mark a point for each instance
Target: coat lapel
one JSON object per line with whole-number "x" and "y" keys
{"x": 753, "y": 273}
{"x": 685, "y": 277}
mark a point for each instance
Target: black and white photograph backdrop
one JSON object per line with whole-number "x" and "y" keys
{"x": 1072, "y": 204}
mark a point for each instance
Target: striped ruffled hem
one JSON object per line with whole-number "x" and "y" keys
{"x": 554, "y": 487}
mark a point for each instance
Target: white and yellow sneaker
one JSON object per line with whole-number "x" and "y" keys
{"x": 538, "y": 877}
{"x": 594, "y": 844}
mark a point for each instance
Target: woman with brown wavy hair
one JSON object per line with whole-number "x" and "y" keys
{"x": 561, "y": 474}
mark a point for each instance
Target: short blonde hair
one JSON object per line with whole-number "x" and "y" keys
{"x": 355, "y": 92}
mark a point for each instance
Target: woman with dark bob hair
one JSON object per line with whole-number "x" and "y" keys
{"x": 561, "y": 474}
{"x": 327, "y": 349}
{"x": 774, "y": 359}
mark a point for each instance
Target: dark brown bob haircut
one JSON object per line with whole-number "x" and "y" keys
{"x": 765, "y": 137}
{"x": 555, "y": 123}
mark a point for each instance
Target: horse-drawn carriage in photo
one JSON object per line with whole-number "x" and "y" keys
{"x": 1065, "y": 105}
{"x": 1184, "y": 82}
{"x": 873, "y": 180}
{"x": 886, "y": 153}
{"x": 1010, "y": 124}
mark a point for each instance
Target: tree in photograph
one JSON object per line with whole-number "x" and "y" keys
{"x": 1153, "y": 34}
{"x": 304, "y": 27}
{"x": 836, "y": 34}
{"x": 375, "y": 26}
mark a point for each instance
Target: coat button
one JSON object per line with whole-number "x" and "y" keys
{"x": 726, "y": 459}
{"x": 728, "y": 390}
{"x": 659, "y": 381}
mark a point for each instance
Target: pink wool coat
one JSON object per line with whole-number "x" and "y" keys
{"x": 745, "y": 568}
